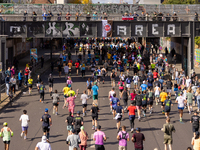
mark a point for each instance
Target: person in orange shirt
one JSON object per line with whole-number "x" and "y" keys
{"x": 163, "y": 97}
{"x": 70, "y": 67}
{"x": 131, "y": 109}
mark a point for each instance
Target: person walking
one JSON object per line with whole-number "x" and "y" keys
{"x": 20, "y": 77}
{"x": 7, "y": 81}
{"x": 73, "y": 140}
{"x": 41, "y": 91}
{"x": 13, "y": 84}
{"x": 138, "y": 139}
{"x": 168, "y": 128}
{"x": 44, "y": 144}
{"x": 6, "y": 133}
{"x": 99, "y": 137}
{"x": 50, "y": 81}
{"x": 56, "y": 100}
{"x": 123, "y": 138}
{"x": 47, "y": 123}
{"x": 30, "y": 84}
{"x": 24, "y": 123}
{"x": 83, "y": 137}
{"x": 131, "y": 113}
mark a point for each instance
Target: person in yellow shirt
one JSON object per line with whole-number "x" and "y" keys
{"x": 30, "y": 84}
{"x": 65, "y": 91}
{"x": 163, "y": 97}
{"x": 71, "y": 92}
{"x": 109, "y": 57}
{"x": 70, "y": 67}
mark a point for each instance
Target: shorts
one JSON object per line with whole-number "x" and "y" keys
{"x": 167, "y": 140}
{"x": 84, "y": 105}
{"x": 71, "y": 109}
{"x": 195, "y": 129}
{"x": 128, "y": 85}
{"x": 6, "y": 142}
{"x": 157, "y": 96}
{"x": 112, "y": 79}
{"x": 95, "y": 97}
{"x": 189, "y": 104}
{"x": 65, "y": 96}
{"x": 24, "y": 128}
{"x": 55, "y": 104}
{"x": 89, "y": 88}
{"x": 162, "y": 104}
{"x": 50, "y": 84}
{"x": 135, "y": 83}
{"x": 45, "y": 128}
{"x": 99, "y": 147}
{"x": 121, "y": 90}
{"x": 103, "y": 77}
{"x": 76, "y": 68}
{"x": 167, "y": 110}
{"x": 180, "y": 108}
{"x": 169, "y": 90}
{"x": 151, "y": 102}
{"x": 119, "y": 119}
{"x": 144, "y": 104}
{"x": 122, "y": 147}
{"x": 138, "y": 107}
{"x": 69, "y": 128}
{"x": 30, "y": 85}
{"x": 94, "y": 117}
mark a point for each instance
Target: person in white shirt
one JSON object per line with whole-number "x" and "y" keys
{"x": 188, "y": 82}
{"x": 135, "y": 81}
{"x": 181, "y": 103}
{"x": 66, "y": 70}
{"x": 84, "y": 99}
{"x": 43, "y": 145}
{"x": 24, "y": 123}
{"x": 122, "y": 76}
{"x": 13, "y": 84}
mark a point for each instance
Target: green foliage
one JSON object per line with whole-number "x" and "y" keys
{"x": 179, "y": 2}
{"x": 197, "y": 40}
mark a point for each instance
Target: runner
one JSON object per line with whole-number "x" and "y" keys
{"x": 135, "y": 81}
{"x": 121, "y": 87}
{"x": 84, "y": 99}
{"x": 112, "y": 77}
{"x": 123, "y": 137}
{"x": 195, "y": 122}
{"x": 30, "y": 85}
{"x": 95, "y": 90}
{"x": 150, "y": 100}
{"x": 138, "y": 99}
{"x": 89, "y": 87}
{"x": 94, "y": 110}
{"x": 69, "y": 120}
{"x": 65, "y": 90}
{"x": 114, "y": 100}
{"x": 181, "y": 103}
{"x": 70, "y": 67}
{"x": 13, "y": 84}
{"x": 167, "y": 104}
{"x": 38, "y": 81}
{"x": 99, "y": 137}
{"x": 44, "y": 144}
{"x": 119, "y": 114}
{"x": 157, "y": 93}
{"x": 77, "y": 67}
{"x": 110, "y": 95}
{"x": 78, "y": 122}
{"x": 73, "y": 140}
{"x": 41, "y": 90}
{"x": 144, "y": 103}
{"x": 50, "y": 81}
{"x": 163, "y": 97}
{"x": 59, "y": 68}
{"x": 69, "y": 81}
{"x": 128, "y": 83}
{"x": 82, "y": 69}
{"x": 125, "y": 95}
{"x": 24, "y": 124}
{"x": 56, "y": 100}
{"x": 66, "y": 70}
{"x": 131, "y": 113}
{"x": 189, "y": 97}
{"x": 169, "y": 85}
{"x": 138, "y": 139}
{"x": 99, "y": 75}
{"x": 143, "y": 86}
{"x": 83, "y": 137}
{"x": 103, "y": 72}
{"x": 47, "y": 123}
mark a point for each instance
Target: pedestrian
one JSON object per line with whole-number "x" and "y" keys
{"x": 181, "y": 103}
{"x": 38, "y": 81}
{"x": 113, "y": 76}
{"x": 89, "y": 87}
{"x": 167, "y": 105}
{"x": 42, "y": 61}
{"x": 69, "y": 120}
{"x": 82, "y": 69}
{"x": 144, "y": 103}
{"x": 24, "y": 124}
{"x": 125, "y": 95}
{"x": 131, "y": 113}
{"x": 99, "y": 137}
{"x": 114, "y": 100}
{"x": 20, "y": 78}
{"x": 121, "y": 87}
{"x": 44, "y": 144}
{"x": 123, "y": 138}
{"x": 6, "y": 133}
{"x": 50, "y": 81}
{"x": 26, "y": 73}
{"x": 83, "y": 137}
{"x": 7, "y": 81}
{"x": 41, "y": 91}
{"x": 189, "y": 98}
{"x": 163, "y": 97}
{"x": 138, "y": 139}
{"x": 84, "y": 99}
{"x": 119, "y": 114}
{"x": 13, "y": 84}
{"x": 49, "y": 16}
{"x": 30, "y": 85}
{"x": 138, "y": 100}
{"x": 196, "y": 141}
{"x": 47, "y": 123}
{"x": 73, "y": 140}
{"x": 195, "y": 122}
{"x": 168, "y": 128}
{"x": 128, "y": 83}
{"x": 77, "y": 64}
{"x": 56, "y": 99}
{"x": 103, "y": 72}
{"x": 95, "y": 90}
{"x": 12, "y": 71}
{"x": 78, "y": 122}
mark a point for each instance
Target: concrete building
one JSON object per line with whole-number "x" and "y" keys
{"x": 147, "y": 1}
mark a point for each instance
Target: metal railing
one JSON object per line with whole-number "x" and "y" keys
{"x": 92, "y": 18}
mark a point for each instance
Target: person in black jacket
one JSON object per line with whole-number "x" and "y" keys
{"x": 50, "y": 80}
{"x": 25, "y": 15}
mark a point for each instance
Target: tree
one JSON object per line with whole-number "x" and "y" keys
{"x": 179, "y": 2}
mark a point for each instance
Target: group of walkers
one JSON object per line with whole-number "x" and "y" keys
{"x": 145, "y": 80}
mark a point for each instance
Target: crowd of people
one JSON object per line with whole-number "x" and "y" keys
{"x": 140, "y": 80}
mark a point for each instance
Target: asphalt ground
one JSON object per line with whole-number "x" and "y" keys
{"x": 150, "y": 125}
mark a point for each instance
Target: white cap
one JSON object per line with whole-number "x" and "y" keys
{"x": 143, "y": 82}
{"x": 44, "y": 138}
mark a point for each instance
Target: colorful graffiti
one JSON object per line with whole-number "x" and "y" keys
{"x": 7, "y": 8}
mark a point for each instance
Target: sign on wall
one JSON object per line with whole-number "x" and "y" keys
{"x": 33, "y": 54}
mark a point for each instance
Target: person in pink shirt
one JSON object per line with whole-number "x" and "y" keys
{"x": 99, "y": 137}
{"x": 69, "y": 81}
{"x": 71, "y": 103}
{"x": 132, "y": 95}
{"x": 121, "y": 87}
{"x": 12, "y": 70}
{"x": 123, "y": 137}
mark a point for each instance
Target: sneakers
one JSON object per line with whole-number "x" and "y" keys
{"x": 156, "y": 103}
{"x": 53, "y": 111}
{"x": 21, "y": 135}
{"x": 40, "y": 100}
{"x": 92, "y": 127}
{"x": 56, "y": 113}
{"x": 181, "y": 119}
{"x": 24, "y": 137}
{"x": 83, "y": 114}
{"x": 132, "y": 130}
{"x": 163, "y": 112}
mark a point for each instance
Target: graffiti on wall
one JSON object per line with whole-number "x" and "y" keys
{"x": 7, "y": 8}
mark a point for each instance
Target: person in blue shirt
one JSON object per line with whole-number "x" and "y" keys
{"x": 44, "y": 15}
{"x": 161, "y": 82}
{"x": 114, "y": 100}
{"x": 115, "y": 57}
{"x": 143, "y": 86}
{"x": 20, "y": 77}
{"x": 95, "y": 90}
{"x": 64, "y": 58}
{"x": 95, "y": 17}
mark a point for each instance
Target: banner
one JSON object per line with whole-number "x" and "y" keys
{"x": 33, "y": 54}
{"x": 107, "y": 28}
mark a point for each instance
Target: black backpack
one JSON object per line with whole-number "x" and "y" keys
{"x": 124, "y": 136}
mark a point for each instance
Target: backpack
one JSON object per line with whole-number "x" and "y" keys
{"x": 128, "y": 81}
{"x": 150, "y": 94}
{"x": 124, "y": 136}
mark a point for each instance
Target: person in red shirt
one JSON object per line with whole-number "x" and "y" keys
{"x": 77, "y": 64}
{"x": 26, "y": 72}
{"x": 132, "y": 95}
{"x": 155, "y": 74}
{"x": 131, "y": 109}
